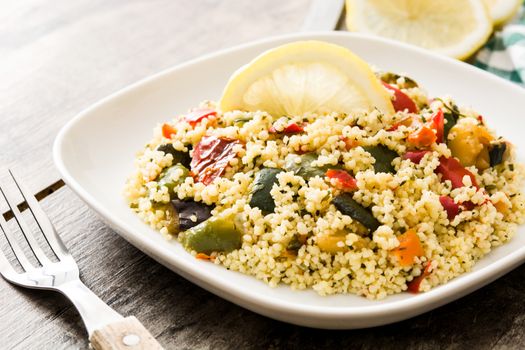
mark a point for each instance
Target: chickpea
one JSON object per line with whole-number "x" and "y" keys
{"x": 469, "y": 142}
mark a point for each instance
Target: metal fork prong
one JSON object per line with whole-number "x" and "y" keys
{"x": 49, "y": 231}
{"x": 26, "y": 231}
{"x": 19, "y": 254}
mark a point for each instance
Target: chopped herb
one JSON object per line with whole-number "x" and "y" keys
{"x": 327, "y": 196}
{"x": 451, "y": 116}
{"x": 295, "y": 244}
{"x": 490, "y": 187}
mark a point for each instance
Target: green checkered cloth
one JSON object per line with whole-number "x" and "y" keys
{"x": 504, "y": 53}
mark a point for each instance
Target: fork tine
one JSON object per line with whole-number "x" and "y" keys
{"x": 53, "y": 239}
{"x": 19, "y": 254}
{"x": 29, "y": 236}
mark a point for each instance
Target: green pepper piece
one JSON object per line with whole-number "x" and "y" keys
{"x": 348, "y": 206}
{"x": 165, "y": 177}
{"x": 240, "y": 121}
{"x": 173, "y": 217}
{"x": 217, "y": 234}
{"x": 305, "y": 168}
{"x": 178, "y": 156}
{"x": 383, "y": 156}
{"x": 261, "y": 197}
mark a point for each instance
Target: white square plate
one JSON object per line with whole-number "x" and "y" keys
{"x": 95, "y": 153}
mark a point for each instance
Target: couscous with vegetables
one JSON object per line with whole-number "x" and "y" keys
{"x": 364, "y": 202}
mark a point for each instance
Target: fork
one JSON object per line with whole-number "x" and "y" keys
{"x": 106, "y": 328}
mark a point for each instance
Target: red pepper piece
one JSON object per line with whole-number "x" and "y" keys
{"x": 451, "y": 169}
{"x": 345, "y": 180}
{"x": 292, "y": 128}
{"x": 468, "y": 205}
{"x": 438, "y": 123}
{"x": 401, "y": 101}
{"x": 413, "y": 286}
{"x": 415, "y": 156}
{"x": 168, "y": 130}
{"x": 480, "y": 119}
{"x": 195, "y": 116}
{"x": 211, "y": 157}
{"x": 451, "y": 207}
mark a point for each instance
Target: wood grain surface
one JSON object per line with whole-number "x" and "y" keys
{"x": 58, "y": 57}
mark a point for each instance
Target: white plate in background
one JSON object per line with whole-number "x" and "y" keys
{"x": 95, "y": 151}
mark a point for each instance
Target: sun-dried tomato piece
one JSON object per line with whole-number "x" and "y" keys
{"x": 211, "y": 157}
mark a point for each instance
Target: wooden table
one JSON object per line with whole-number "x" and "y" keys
{"x": 58, "y": 57}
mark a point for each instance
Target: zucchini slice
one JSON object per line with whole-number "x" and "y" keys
{"x": 348, "y": 206}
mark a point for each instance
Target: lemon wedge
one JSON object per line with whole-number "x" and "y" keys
{"x": 305, "y": 76}
{"x": 455, "y": 28}
{"x": 502, "y": 10}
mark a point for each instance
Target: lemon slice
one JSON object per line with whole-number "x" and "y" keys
{"x": 305, "y": 76}
{"x": 455, "y": 28}
{"x": 502, "y": 10}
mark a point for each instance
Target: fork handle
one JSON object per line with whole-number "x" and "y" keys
{"x": 126, "y": 334}
{"x": 108, "y": 330}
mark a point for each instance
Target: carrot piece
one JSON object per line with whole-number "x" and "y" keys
{"x": 409, "y": 247}
{"x": 168, "y": 130}
{"x": 422, "y": 137}
{"x": 413, "y": 286}
{"x": 349, "y": 144}
{"x": 203, "y": 256}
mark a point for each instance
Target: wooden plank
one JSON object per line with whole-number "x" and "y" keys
{"x": 57, "y": 59}
{"x": 183, "y": 316}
